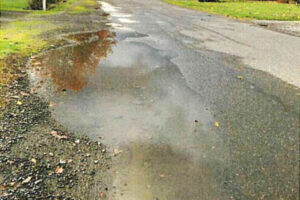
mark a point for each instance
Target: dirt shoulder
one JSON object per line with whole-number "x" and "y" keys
{"x": 40, "y": 159}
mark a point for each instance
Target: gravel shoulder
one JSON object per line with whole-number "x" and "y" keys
{"x": 39, "y": 158}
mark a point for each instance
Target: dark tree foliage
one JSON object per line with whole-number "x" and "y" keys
{"x": 38, "y": 4}
{"x": 208, "y": 0}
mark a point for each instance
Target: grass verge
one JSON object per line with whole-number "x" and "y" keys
{"x": 13, "y": 5}
{"x": 245, "y": 10}
{"x": 23, "y": 37}
{"x": 70, "y": 6}
{"x": 19, "y": 39}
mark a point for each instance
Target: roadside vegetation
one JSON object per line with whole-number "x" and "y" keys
{"x": 16, "y": 5}
{"x": 71, "y": 6}
{"x": 23, "y": 37}
{"x": 261, "y": 10}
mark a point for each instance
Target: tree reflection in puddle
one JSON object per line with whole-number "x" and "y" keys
{"x": 70, "y": 66}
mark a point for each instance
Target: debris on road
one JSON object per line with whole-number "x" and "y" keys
{"x": 217, "y": 124}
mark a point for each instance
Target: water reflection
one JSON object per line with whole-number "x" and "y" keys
{"x": 70, "y": 67}
{"x": 137, "y": 101}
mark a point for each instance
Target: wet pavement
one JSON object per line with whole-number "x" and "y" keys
{"x": 181, "y": 122}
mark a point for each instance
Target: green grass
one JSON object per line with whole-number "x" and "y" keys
{"x": 85, "y": 6}
{"x": 22, "y": 37}
{"x": 245, "y": 10}
{"x": 13, "y": 5}
{"x": 57, "y": 8}
{"x": 71, "y": 6}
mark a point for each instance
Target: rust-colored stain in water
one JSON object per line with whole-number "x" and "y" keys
{"x": 69, "y": 67}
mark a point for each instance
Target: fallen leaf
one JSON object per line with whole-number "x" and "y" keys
{"x": 240, "y": 77}
{"x": 24, "y": 94}
{"x": 77, "y": 141}
{"x": 11, "y": 162}
{"x": 27, "y": 180}
{"x": 55, "y": 134}
{"x": 59, "y": 170}
{"x": 117, "y": 151}
{"x": 102, "y": 195}
{"x": 3, "y": 187}
{"x": 51, "y": 104}
{"x": 5, "y": 194}
{"x": 61, "y": 161}
{"x": 217, "y": 124}
{"x": 162, "y": 175}
{"x": 12, "y": 184}
{"x": 33, "y": 160}
{"x": 19, "y": 103}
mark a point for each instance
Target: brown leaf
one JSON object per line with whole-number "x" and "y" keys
{"x": 56, "y": 135}
{"x": 240, "y": 77}
{"x": 52, "y": 104}
{"x": 117, "y": 151}
{"x": 59, "y": 170}
{"x": 102, "y": 195}
{"x": 24, "y": 94}
{"x": 3, "y": 187}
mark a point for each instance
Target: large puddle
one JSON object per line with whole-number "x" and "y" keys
{"x": 132, "y": 98}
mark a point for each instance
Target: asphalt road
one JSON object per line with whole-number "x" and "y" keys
{"x": 193, "y": 106}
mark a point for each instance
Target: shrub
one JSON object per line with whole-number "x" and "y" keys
{"x": 35, "y": 4}
{"x": 282, "y": 1}
{"x": 208, "y": 0}
{"x": 38, "y": 4}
